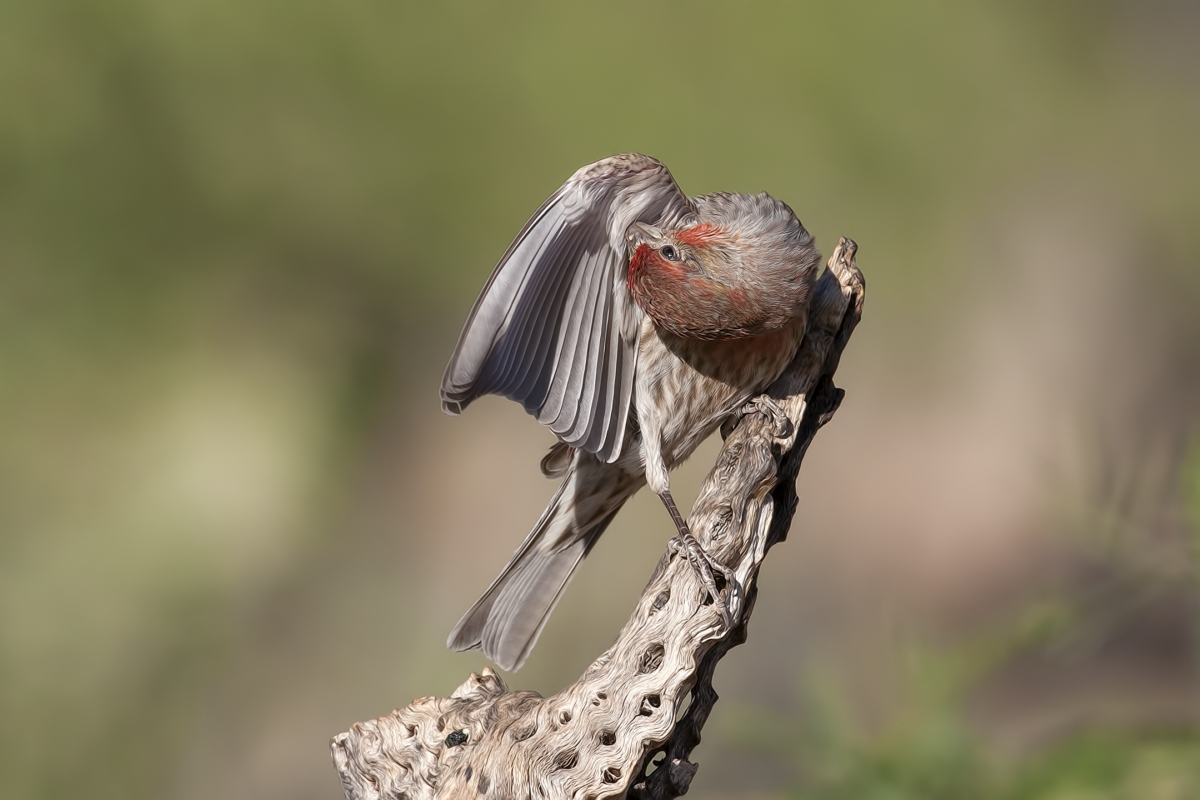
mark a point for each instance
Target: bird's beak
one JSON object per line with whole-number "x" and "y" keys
{"x": 639, "y": 232}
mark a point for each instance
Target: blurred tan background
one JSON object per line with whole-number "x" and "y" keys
{"x": 237, "y": 241}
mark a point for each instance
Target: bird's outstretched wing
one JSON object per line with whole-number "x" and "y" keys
{"x": 556, "y": 328}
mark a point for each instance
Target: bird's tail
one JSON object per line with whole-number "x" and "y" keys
{"x": 506, "y": 621}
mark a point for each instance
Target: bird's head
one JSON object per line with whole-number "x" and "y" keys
{"x": 745, "y": 266}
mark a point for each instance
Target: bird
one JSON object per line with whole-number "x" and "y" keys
{"x": 631, "y": 320}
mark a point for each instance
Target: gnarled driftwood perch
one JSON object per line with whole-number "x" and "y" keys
{"x": 628, "y": 726}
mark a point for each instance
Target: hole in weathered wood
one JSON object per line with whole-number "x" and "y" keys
{"x": 720, "y": 582}
{"x": 649, "y": 703}
{"x": 523, "y": 733}
{"x": 652, "y": 659}
{"x": 564, "y": 716}
{"x": 660, "y": 600}
{"x": 611, "y": 775}
{"x": 566, "y": 759}
{"x": 608, "y": 738}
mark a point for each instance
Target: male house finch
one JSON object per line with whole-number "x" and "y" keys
{"x": 631, "y": 320}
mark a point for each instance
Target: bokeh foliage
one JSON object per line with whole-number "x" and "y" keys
{"x": 930, "y": 750}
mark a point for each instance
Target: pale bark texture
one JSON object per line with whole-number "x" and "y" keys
{"x": 627, "y": 727}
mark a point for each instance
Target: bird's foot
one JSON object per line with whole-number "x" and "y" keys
{"x": 765, "y": 405}
{"x": 706, "y": 567}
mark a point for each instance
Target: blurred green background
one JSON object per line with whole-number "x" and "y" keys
{"x": 238, "y": 239}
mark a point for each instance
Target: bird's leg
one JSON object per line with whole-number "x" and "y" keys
{"x": 702, "y": 563}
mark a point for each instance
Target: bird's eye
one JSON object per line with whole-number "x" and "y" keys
{"x": 670, "y": 253}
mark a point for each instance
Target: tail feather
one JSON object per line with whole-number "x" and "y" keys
{"x": 507, "y": 620}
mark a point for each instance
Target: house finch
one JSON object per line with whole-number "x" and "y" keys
{"x": 631, "y": 320}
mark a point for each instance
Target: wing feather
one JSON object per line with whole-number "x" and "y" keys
{"x": 575, "y": 384}
{"x": 525, "y": 360}
{"x": 549, "y": 329}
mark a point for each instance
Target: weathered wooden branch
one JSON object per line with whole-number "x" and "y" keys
{"x": 627, "y": 727}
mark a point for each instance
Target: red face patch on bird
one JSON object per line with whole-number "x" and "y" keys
{"x": 702, "y": 235}
{"x": 647, "y": 259}
{"x": 682, "y": 299}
